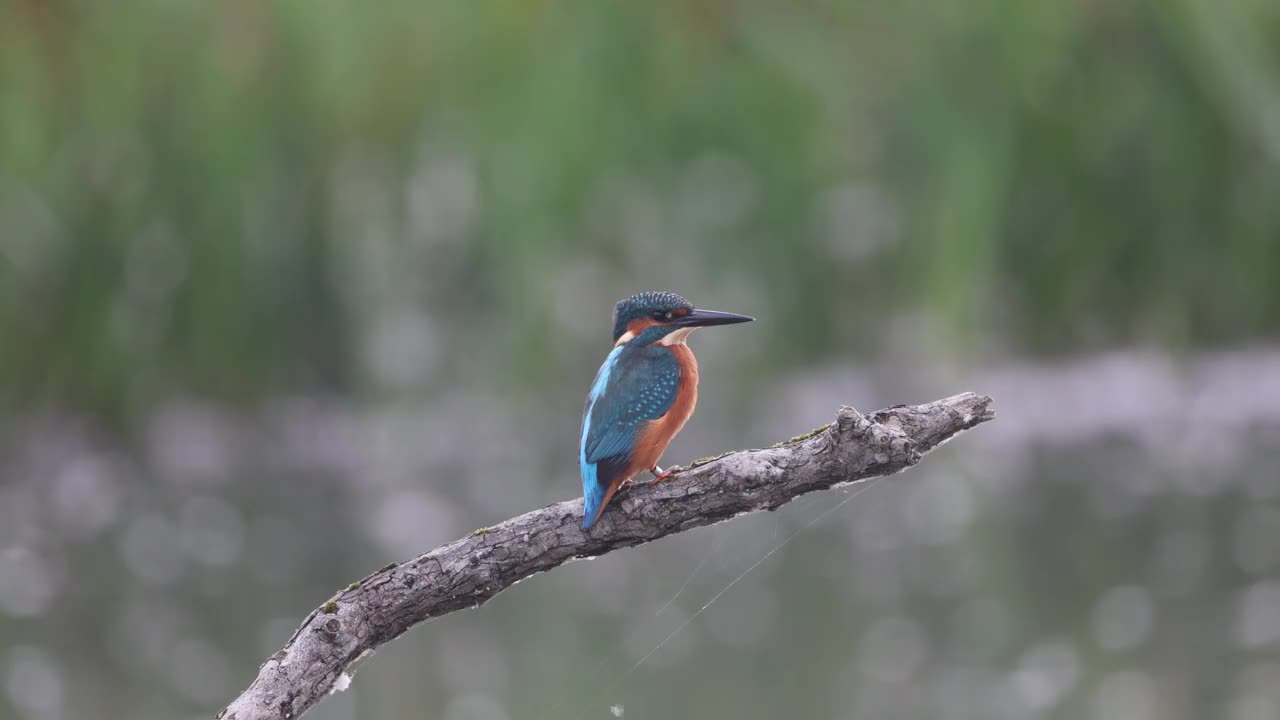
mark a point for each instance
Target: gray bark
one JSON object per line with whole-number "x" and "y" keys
{"x": 467, "y": 572}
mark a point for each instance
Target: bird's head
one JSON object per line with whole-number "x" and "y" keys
{"x": 663, "y": 317}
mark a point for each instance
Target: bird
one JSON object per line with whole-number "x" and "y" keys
{"x": 642, "y": 395}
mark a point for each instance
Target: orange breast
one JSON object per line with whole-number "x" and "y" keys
{"x": 654, "y": 438}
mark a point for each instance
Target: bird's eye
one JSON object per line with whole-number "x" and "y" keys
{"x": 657, "y": 314}
{"x": 668, "y": 315}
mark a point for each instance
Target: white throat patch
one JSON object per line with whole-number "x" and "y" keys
{"x": 678, "y": 337}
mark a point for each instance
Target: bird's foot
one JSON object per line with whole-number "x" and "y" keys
{"x": 659, "y": 474}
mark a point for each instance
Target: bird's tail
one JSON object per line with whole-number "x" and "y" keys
{"x": 593, "y": 494}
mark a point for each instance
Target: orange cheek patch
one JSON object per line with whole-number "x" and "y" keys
{"x": 637, "y": 326}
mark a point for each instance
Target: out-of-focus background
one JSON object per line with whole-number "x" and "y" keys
{"x": 292, "y": 290}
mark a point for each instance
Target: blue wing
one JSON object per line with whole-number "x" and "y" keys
{"x": 633, "y": 387}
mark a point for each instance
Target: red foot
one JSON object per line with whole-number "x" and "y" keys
{"x": 658, "y": 474}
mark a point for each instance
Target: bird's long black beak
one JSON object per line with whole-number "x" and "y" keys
{"x": 705, "y": 318}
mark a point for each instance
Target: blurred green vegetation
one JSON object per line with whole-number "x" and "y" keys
{"x": 214, "y": 197}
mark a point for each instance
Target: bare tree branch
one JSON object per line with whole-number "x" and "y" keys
{"x": 469, "y": 571}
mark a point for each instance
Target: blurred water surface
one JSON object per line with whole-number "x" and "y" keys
{"x": 1110, "y": 547}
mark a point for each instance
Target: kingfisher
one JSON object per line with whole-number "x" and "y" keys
{"x": 642, "y": 395}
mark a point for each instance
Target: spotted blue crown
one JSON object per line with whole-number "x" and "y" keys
{"x": 642, "y": 304}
